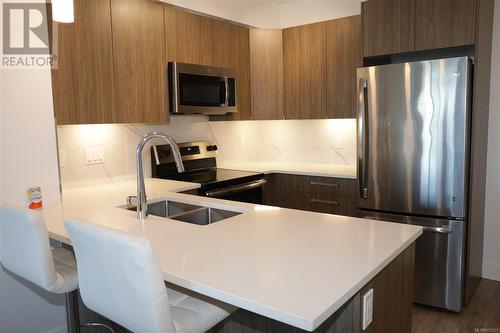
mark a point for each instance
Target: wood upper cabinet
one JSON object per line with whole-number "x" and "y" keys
{"x": 243, "y": 75}
{"x": 344, "y": 54}
{"x": 266, "y": 69}
{"x": 139, "y": 57}
{"x": 304, "y": 72}
{"x": 388, "y": 26}
{"x": 197, "y": 39}
{"x": 183, "y": 36}
{"x": 444, "y": 23}
{"x": 83, "y": 83}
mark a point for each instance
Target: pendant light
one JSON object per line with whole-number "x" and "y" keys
{"x": 63, "y": 11}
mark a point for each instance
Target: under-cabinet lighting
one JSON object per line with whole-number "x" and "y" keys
{"x": 63, "y": 11}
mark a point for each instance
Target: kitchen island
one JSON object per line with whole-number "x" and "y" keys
{"x": 291, "y": 268}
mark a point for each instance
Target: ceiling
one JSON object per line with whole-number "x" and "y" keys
{"x": 273, "y": 13}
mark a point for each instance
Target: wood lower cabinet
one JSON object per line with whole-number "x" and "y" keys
{"x": 83, "y": 82}
{"x": 392, "y": 306}
{"x": 304, "y": 72}
{"x": 388, "y": 26}
{"x": 318, "y": 194}
{"x": 393, "y": 295}
{"x": 444, "y": 23}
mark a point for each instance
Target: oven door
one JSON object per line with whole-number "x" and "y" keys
{"x": 248, "y": 192}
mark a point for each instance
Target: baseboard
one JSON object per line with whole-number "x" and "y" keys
{"x": 491, "y": 270}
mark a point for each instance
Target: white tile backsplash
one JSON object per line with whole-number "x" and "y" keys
{"x": 313, "y": 141}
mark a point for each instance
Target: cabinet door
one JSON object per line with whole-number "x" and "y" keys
{"x": 139, "y": 55}
{"x": 344, "y": 54}
{"x": 444, "y": 23}
{"x": 83, "y": 84}
{"x": 388, "y": 26}
{"x": 182, "y": 36}
{"x": 304, "y": 72}
{"x": 241, "y": 35}
{"x": 266, "y": 70}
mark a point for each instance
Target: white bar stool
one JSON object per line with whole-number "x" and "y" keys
{"x": 25, "y": 251}
{"x": 120, "y": 278}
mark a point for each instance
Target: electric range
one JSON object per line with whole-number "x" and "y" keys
{"x": 199, "y": 159}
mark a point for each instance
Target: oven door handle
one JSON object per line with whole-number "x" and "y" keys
{"x": 235, "y": 189}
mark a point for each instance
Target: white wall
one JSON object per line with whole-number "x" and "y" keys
{"x": 491, "y": 262}
{"x": 273, "y": 14}
{"x": 27, "y": 158}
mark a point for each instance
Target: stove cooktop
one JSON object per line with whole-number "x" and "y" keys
{"x": 211, "y": 176}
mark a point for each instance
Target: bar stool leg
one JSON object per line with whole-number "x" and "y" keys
{"x": 72, "y": 312}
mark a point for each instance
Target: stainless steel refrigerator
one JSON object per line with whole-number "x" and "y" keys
{"x": 413, "y": 164}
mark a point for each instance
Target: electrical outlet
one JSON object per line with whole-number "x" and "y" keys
{"x": 94, "y": 155}
{"x": 367, "y": 309}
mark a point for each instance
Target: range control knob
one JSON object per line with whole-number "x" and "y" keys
{"x": 214, "y": 147}
{"x": 210, "y": 148}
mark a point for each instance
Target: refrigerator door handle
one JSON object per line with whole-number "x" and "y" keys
{"x": 439, "y": 230}
{"x": 363, "y": 137}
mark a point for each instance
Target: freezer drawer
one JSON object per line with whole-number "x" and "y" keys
{"x": 439, "y": 260}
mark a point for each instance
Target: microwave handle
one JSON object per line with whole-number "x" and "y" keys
{"x": 226, "y": 87}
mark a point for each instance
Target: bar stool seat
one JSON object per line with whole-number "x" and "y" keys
{"x": 25, "y": 251}
{"x": 120, "y": 279}
{"x": 195, "y": 313}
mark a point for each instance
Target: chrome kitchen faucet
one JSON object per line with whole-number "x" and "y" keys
{"x": 142, "y": 208}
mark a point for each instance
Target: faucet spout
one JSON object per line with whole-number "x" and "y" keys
{"x": 142, "y": 208}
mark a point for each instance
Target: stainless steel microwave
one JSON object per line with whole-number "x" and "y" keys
{"x": 201, "y": 89}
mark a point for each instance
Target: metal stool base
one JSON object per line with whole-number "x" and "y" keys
{"x": 73, "y": 316}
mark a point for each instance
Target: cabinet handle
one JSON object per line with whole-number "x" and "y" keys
{"x": 325, "y": 184}
{"x": 335, "y": 203}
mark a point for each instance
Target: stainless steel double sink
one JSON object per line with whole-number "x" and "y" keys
{"x": 184, "y": 212}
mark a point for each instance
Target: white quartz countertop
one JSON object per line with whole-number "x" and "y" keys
{"x": 296, "y": 168}
{"x": 292, "y": 266}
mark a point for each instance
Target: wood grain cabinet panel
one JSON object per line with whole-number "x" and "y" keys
{"x": 183, "y": 36}
{"x": 140, "y": 69}
{"x": 444, "y": 23}
{"x": 266, "y": 71}
{"x": 344, "y": 54}
{"x": 304, "y": 72}
{"x": 332, "y": 186}
{"x": 392, "y": 295}
{"x": 198, "y": 39}
{"x": 242, "y": 35}
{"x": 83, "y": 83}
{"x": 388, "y": 26}
{"x": 318, "y": 194}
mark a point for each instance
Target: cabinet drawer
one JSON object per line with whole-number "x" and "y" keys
{"x": 291, "y": 182}
{"x": 332, "y": 186}
{"x": 324, "y": 203}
